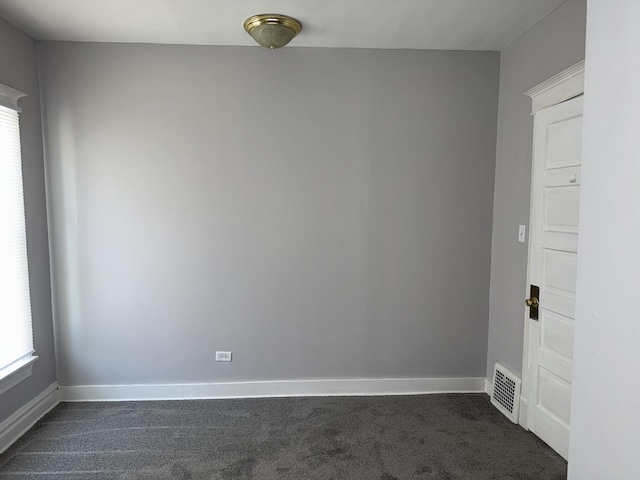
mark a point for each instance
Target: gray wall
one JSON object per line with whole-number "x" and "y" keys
{"x": 605, "y": 428}
{"x": 548, "y": 48}
{"x": 18, "y": 69}
{"x": 322, "y": 213}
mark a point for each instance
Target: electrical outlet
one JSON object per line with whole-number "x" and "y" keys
{"x": 223, "y": 356}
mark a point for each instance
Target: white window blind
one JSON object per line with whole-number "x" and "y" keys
{"x": 16, "y": 337}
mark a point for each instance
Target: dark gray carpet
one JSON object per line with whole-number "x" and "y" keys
{"x": 444, "y": 437}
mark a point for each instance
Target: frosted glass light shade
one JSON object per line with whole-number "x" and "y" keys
{"x": 272, "y": 30}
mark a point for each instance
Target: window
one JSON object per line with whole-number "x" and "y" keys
{"x": 16, "y": 338}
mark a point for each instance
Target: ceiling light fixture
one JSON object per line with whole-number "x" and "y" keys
{"x": 272, "y": 30}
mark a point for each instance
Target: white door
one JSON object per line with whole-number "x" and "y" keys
{"x": 553, "y": 248}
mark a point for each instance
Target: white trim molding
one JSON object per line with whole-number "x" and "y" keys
{"x": 488, "y": 387}
{"x": 16, "y": 372}
{"x": 560, "y": 88}
{"x": 26, "y": 417}
{"x": 524, "y": 412}
{"x": 282, "y": 388}
{"x": 9, "y": 97}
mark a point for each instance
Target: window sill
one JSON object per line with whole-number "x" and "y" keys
{"x": 16, "y": 373}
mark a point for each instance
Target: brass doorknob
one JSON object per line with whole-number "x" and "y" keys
{"x": 532, "y": 302}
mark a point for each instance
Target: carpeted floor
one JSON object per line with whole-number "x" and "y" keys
{"x": 443, "y": 437}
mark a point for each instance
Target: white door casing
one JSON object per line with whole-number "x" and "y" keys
{"x": 553, "y": 245}
{"x": 566, "y": 85}
{"x": 552, "y": 267}
{"x": 551, "y": 339}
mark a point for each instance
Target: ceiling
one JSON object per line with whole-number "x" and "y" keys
{"x": 423, "y": 24}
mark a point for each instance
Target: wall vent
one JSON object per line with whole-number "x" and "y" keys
{"x": 506, "y": 392}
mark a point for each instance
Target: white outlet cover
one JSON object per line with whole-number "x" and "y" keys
{"x": 223, "y": 356}
{"x": 521, "y": 233}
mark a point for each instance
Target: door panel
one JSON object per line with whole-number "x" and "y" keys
{"x": 562, "y": 177}
{"x": 555, "y": 207}
{"x": 557, "y": 333}
{"x": 555, "y": 396}
{"x": 559, "y": 271}
{"x": 557, "y": 364}
{"x": 561, "y": 209}
{"x": 564, "y": 142}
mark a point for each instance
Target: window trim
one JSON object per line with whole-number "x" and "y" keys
{"x": 9, "y": 97}
{"x": 22, "y": 368}
{"x": 17, "y": 372}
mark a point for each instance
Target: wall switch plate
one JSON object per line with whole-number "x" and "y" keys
{"x": 521, "y": 233}
{"x": 223, "y": 356}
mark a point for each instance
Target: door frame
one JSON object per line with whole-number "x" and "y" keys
{"x": 564, "y": 86}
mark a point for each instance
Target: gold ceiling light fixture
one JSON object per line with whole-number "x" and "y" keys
{"x": 272, "y": 30}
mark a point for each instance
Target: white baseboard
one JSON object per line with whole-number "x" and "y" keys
{"x": 488, "y": 386}
{"x": 293, "y": 388}
{"x": 17, "y": 424}
{"x": 523, "y": 414}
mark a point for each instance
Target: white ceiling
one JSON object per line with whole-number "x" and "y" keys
{"x": 425, "y": 24}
